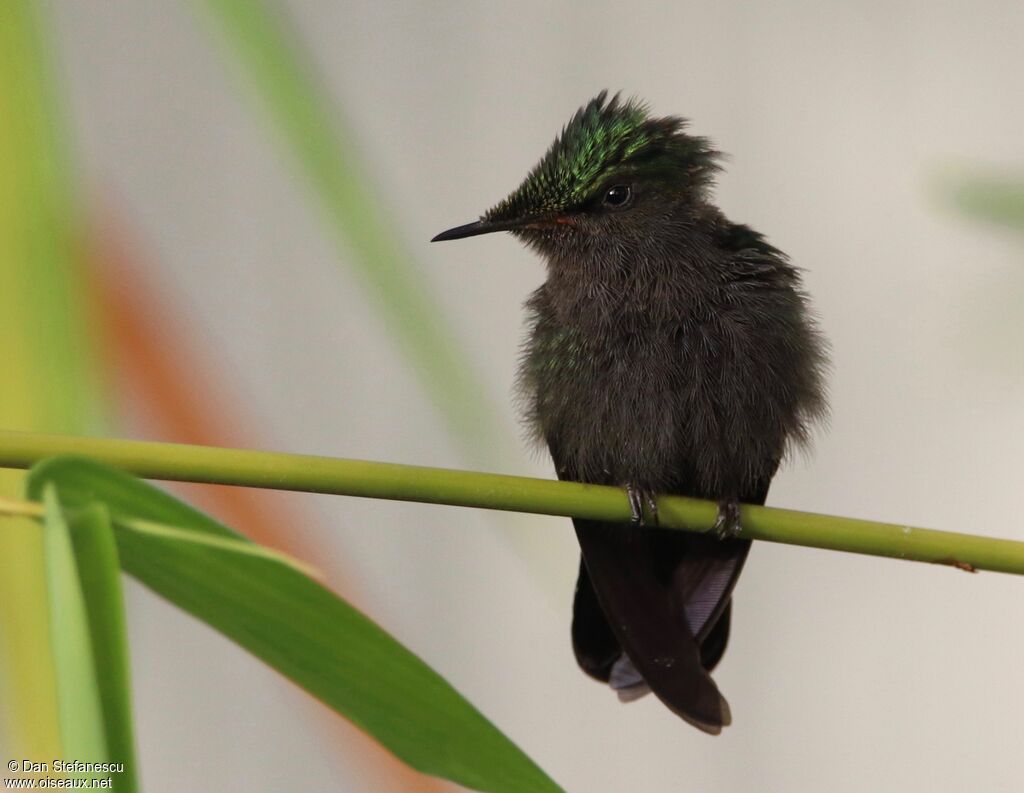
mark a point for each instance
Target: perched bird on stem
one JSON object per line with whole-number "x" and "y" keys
{"x": 669, "y": 351}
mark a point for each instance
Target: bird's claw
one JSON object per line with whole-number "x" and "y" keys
{"x": 727, "y": 525}
{"x": 638, "y": 497}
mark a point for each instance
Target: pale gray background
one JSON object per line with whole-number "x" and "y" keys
{"x": 845, "y": 673}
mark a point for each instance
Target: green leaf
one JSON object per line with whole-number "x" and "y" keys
{"x": 78, "y": 690}
{"x": 99, "y": 572}
{"x": 994, "y": 199}
{"x": 301, "y": 629}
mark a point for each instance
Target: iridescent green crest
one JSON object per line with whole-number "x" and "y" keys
{"x": 608, "y": 139}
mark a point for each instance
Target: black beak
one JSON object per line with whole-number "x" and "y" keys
{"x": 480, "y": 227}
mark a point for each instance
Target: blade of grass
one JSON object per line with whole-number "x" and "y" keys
{"x": 99, "y": 573}
{"x": 78, "y": 693}
{"x": 301, "y": 629}
{"x": 46, "y": 363}
{"x": 326, "y": 151}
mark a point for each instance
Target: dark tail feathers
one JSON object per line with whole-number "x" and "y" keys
{"x": 652, "y": 611}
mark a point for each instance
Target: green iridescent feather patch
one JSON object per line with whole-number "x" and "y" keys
{"x": 607, "y": 138}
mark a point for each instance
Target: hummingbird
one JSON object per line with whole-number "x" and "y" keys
{"x": 669, "y": 351}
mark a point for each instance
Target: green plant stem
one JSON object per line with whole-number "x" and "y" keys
{"x": 27, "y": 509}
{"x": 306, "y": 473}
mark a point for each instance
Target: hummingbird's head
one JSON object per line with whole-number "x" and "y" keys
{"x": 614, "y": 171}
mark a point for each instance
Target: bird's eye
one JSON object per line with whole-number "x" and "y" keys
{"x": 617, "y": 196}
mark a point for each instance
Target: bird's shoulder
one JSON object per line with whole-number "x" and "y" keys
{"x": 746, "y": 257}
{"x": 739, "y": 238}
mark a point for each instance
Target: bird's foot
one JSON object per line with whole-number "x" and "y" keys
{"x": 727, "y": 524}
{"x": 638, "y": 497}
